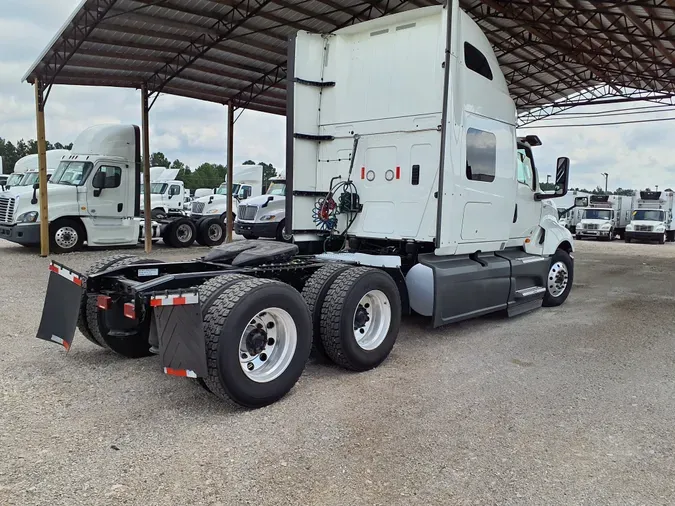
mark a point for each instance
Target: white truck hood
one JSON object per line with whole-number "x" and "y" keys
{"x": 647, "y": 223}
{"x": 58, "y": 194}
{"x": 262, "y": 199}
{"x": 600, "y": 223}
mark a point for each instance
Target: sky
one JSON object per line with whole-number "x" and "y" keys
{"x": 635, "y": 156}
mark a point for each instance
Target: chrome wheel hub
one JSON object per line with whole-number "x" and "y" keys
{"x": 558, "y": 277}
{"x": 184, "y": 233}
{"x": 372, "y": 319}
{"x": 66, "y": 237}
{"x": 267, "y": 345}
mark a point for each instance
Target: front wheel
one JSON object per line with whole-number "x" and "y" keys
{"x": 66, "y": 235}
{"x": 282, "y": 236}
{"x": 662, "y": 239}
{"x": 559, "y": 279}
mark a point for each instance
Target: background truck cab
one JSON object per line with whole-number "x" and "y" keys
{"x": 247, "y": 182}
{"x": 652, "y": 217}
{"x": 264, "y": 216}
{"x": 93, "y": 194}
{"x": 167, "y": 194}
{"x": 606, "y": 217}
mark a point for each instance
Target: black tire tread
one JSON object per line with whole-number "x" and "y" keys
{"x": 92, "y": 308}
{"x": 214, "y": 319}
{"x": 99, "y": 266}
{"x": 331, "y": 315}
{"x": 311, "y": 292}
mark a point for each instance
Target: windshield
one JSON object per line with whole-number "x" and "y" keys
{"x": 277, "y": 188}
{"x": 648, "y": 215}
{"x": 71, "y": 173}
{"x": 157, "y": 188}
{"x": 222, "y": 189}
{"x": 14, "y": 179}
{"x": 29, "y": 179}
{"x": 597, "y": 214}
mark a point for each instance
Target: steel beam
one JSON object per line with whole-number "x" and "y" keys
{"x": 42, "y": 167}
{"x": 230, "y": 170}
{"x": 147, "y": 211}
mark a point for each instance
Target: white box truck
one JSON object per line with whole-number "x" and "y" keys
{"x": 605, "y": 217}
{"x": 652, "y": 217}
{"x": 570, "y": 209}
{"x": 94, "y": 197}
{"x": 264, "y": 215}
{"x": 402, "y": 161}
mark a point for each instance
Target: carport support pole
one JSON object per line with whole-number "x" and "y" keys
{"x": 230, "y": 168}
{"x": 147, "y": 212}
{"x": 42, "y": 166}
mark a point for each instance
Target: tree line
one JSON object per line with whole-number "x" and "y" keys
{"x": 207, "y": 175}
{"x": 596, "y": 191}
{"x": 11, "y": 153}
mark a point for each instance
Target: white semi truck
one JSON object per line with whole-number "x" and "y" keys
{"x": 605, "y": 217}
{"x": 167, "y": 194}
{"x": 652, "y": 217}
{"x": 247, "y": 182}
{"x": 94, "y": 197}
{"x": 26, "y": 168}
{"x": 402, "y": 163}
{"x": 264, "y": 215}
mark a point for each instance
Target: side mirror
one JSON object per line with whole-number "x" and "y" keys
{"x": 36, "y": 186}
{"x": 170, "y": 196}
{"x": 98, "y": 182}
{"x": 562, "y": 179}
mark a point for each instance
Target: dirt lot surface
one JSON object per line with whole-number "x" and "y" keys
{"x": 574, "y": 405}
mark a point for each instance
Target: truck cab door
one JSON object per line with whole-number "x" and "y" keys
{"x": 527, "y": 210}
{"x": 110, "y": 204}
{"x": 174, "y": 196}
{"x": 107, "y": 193}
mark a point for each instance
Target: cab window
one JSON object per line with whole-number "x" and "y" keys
{"x": 174, "y": 189}
{"x": 113, "y": 176}
{"x": 525, "y": 170}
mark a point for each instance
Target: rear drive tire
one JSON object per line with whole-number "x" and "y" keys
{"x": 125, "y": 337}
{"x": 559, "y": 279}
{"x": 100, "y": 266}
{"x": 258, "y": 338}
{"x": 314, "y": 292}
{"x": 181, "y": 233}
{"x": 210, "y": 232}
{"x": 363, "y": 302}
{"x": 66, "y": 235}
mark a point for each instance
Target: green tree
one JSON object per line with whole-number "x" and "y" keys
{"x": 159, "y": 160}
{"x": 11, "y": 153}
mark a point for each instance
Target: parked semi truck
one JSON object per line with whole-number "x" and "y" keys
{"x": 167, "y": 194}
{"x": 94, "y": 197}
{"x": 26, "y": 168}
{"x": 264, "y": 215}
{"x": 605, "y": 217}
{"x": 402, "y": 163}
{"x": 652, "y": 217}
{"x": 247, "y": 182}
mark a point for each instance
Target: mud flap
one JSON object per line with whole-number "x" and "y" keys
{"x": 180, "y": 334}
{"x": 62, "y": 305}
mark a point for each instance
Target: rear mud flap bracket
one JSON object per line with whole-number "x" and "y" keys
{"x": 180, "y": 334}
{"x": 62, "y": 305}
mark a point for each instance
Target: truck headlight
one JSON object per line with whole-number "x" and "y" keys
{"x": 660, "y": 228}
{"x": 212, "y": 211}
{"x": 29, "y": 217}
{"x": 606, "y": 226}
{"x": 629, "y": 226}
{"x": 268, "y": 217}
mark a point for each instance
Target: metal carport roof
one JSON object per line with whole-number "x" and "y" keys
{"x": 234, "y": 51}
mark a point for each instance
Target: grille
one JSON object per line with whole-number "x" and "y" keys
{"x": 6, "y": 210}
{"x": 592, "y": 226}
{"x": 638, "y": 228}
{"x": 198, "y": 207}
{"x": 247, "y": 212}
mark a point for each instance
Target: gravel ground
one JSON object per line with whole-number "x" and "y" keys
{"x": 574, "y": 405}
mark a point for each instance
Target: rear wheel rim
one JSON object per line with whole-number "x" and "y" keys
{"x": 184, "y": 232}
{"x": 267, "y": 345}
{"x": 215, "y": 232}
{"x": 66, "y": 237}
{"x": 558, "y": 277}
{"x": 372, "y": 319}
